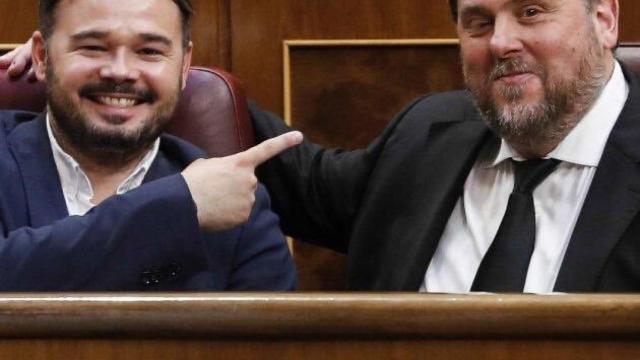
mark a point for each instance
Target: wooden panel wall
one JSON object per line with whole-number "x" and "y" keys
{"x": 211, "y": 33}
{"x": 260, "y": 27}
{"x": 19, "y": 20}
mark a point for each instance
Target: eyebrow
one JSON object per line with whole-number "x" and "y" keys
{"x": 473, "y": 10}
{"x": 89, "y": 34}
{"x": 478, "y": 9}
{"x": 97, "y": 34}
{"x": 150, "y": 37}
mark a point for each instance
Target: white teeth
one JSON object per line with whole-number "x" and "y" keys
{"x": 114, "y": 101}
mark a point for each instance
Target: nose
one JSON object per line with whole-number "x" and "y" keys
{"x": 505, "y": 41}
{"x": 120, "y": 67}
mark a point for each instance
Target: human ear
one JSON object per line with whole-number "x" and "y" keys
{"x": 607, "y": 15}
{"x": 39, "y": 55}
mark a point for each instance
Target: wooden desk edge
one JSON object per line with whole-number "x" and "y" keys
{"x": 329, "y": 315}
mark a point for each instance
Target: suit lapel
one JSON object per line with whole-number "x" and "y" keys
{"x": 612, "y": 202}
{"x": 32, "y": 150}
{"x": 173, "y": 157}
{"x": 45, "y": 200}
{"x": 454, "y": 147}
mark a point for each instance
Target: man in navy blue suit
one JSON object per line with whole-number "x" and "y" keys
{"x": 94, "y": 197}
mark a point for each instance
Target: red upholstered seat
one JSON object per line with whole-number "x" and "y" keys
{"x": 212, "y": 111}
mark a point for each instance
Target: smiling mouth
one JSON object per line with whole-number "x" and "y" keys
{"x": 511, "y": 75}
{"x": 116, "y": 101}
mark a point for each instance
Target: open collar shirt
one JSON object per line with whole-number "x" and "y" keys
{"x": 76, "y": 187}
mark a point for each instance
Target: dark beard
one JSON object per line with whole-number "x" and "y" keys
{"x": 550, "y": 120}
{"x": 106, "y": 148}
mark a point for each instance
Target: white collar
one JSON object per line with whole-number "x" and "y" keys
{"x": 74, "y": 179}
{"x": 585, "y": 143}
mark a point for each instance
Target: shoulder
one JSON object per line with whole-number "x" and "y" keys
{"x": 438, "y": 110}
{"x": 451, "y": 106}
{"x": 9, "y": 119}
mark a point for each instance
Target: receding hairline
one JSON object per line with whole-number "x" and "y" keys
{"x": 453, "y": 7}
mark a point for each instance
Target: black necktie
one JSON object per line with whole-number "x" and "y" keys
{"x": 504, "y": 266}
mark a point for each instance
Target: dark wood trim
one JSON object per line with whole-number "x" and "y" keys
{"x": 224, "y": 35}
{"x": 330, "y": 316}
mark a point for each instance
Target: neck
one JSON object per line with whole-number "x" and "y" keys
{"x": 529, "y": 151}
{"x": 105, "y": 170}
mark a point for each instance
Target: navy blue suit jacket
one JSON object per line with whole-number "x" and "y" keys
{"x": 147, "y": 239}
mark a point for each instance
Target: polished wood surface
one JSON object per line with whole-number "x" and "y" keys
{"x": 319, "y": 315}
{"x": 251, "y": 349}
{"x": 318, "y": 326}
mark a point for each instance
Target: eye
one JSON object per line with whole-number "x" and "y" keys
{"x": 478, "y": 25}
{"x": 530, "y": 12}
{"x": 150, "y": 51}
{"x": 92, "y": 48}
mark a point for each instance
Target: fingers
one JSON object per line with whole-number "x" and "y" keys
{"x": 18, "y": 61}
{"x": 7, "y": 59}
{"x": 270, "y": 148}
{"x": 19, "y": 66}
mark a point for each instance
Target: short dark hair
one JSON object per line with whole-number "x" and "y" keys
{"x": 48, "y": 8}
{"x": 453, "y": 5}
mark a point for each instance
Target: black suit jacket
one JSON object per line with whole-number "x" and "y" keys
{"x": 387, "y": 205}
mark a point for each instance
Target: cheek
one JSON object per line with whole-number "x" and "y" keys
{"x": 476, "y": 58}
{"x": 72, "y": 74}
{"x": 163, "y": 79}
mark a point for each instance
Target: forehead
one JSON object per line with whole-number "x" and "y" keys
{"x": 156, "y": 16}
{"x": 498, "y": 4}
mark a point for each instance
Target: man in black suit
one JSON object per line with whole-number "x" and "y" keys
{"x": 420, "y": 207}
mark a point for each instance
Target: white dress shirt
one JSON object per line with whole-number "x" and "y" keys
{"x": 558, "y": 200}
{"x": 76, "y": 186}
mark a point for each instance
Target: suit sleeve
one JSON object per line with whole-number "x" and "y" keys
{"x": 110, "y": 247}
{"x": 262, "y": 260}
{"x": 317, "y": 192}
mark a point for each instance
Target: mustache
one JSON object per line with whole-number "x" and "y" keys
{"x": 124, "y": 88}
{"x": 513, "y": 66}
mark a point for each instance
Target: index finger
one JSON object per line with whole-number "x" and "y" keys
{"x": 271, "y": 147}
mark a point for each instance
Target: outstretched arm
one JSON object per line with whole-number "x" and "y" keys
{"x": 317, "y": 192}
